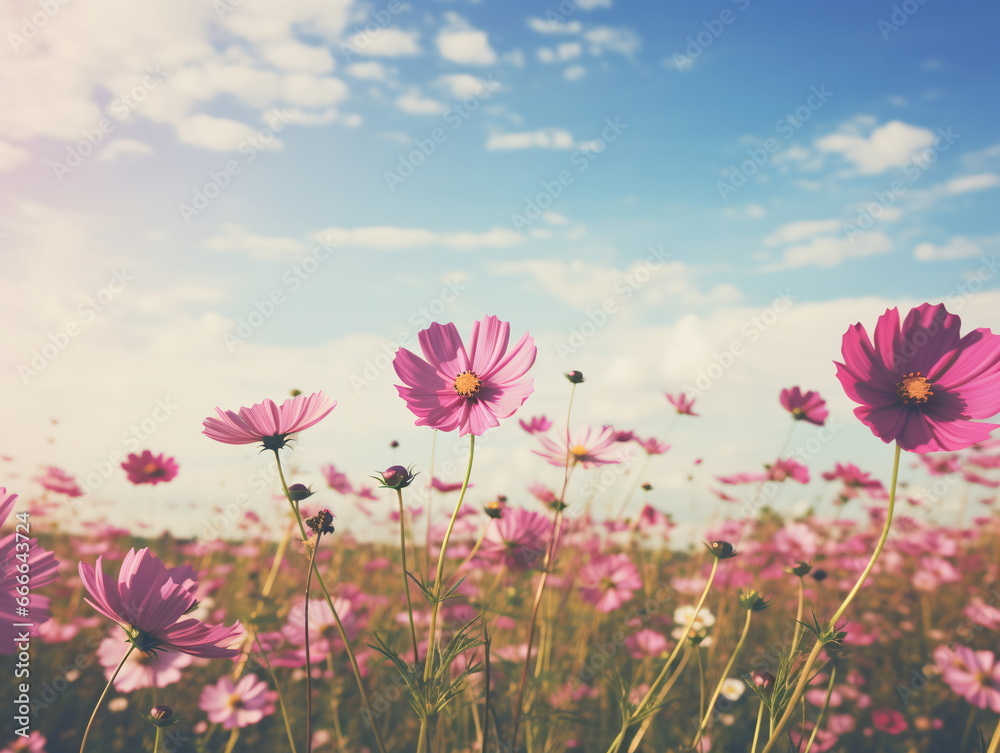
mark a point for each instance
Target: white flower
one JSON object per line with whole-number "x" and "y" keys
{"x": 732, "y": 688}
{"x": 705, "y": 618}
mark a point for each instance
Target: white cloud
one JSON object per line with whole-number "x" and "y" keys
{"x": 124, "y": 146}
{"x": 11, "y": 156}
{"x": 561, "y": 53}
{"x": 554, "y": 218}
{"x": 297, "y": 57}
{"x": 591, "y": 4}
{"x": 574, "y": 73}
{"x": 463, "y": 85}
{"x": 415, "y": 103}
{"x": 959, "y": 247}
{"x": 554, "y": 26}
{"x": 829, "y": 251}
{"x": 460, "y": 43}
{"x": 607, "y": 39}
{"x": 545, "y": 138}
{"x": 796, "y": 231}
{"x": 237, "y": 238}
{"x": 386, "y": 42}
{"x": 387, "y": 238}
{"x": 968, "y": 183}
{"x": 887, "y": 146}
{"x": 305, "y": 90}
{"x": 371, "y": 71}
{"x": 220, "y": 134}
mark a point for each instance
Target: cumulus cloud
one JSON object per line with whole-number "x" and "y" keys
{"x": 545, "y": 138}
{"x": 887, "y": 146}
{"x": 388, "y": 238}
{"x": 958, "y": 247}
{"x": 459, "y": 42}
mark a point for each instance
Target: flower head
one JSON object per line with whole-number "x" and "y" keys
{"x": 536, "y": 425}
{"x": 808, "y": 406}
{"x": 148, "y": 468}
{"x": 451, "y": 388}
{"x": 518, "y": 539}
{"x": 268, "y": 423}
{"x": 149, "y": 599}
{"x": 921, "y": 384}
{"x": 589, "y": 448}
{"x": 57, "y": 480}
{"x": 238, "y": 704}
{"x": 395, "y": 477}
{"x": 974, "y": 675}
{"x": 142, "y": 669}
{"x": 609, "y": 581}
{"x": 682, "y": 403}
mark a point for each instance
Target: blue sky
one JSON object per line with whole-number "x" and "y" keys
{"x": 368, "y": 168}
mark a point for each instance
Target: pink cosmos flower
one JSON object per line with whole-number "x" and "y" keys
{"x": 920, "y": 385}
{"x": 652, "y": 446}
{"x": 148, "y": 600}
{"x": 518, "y": 539}
{"x": 807, "y": 406}
{"x": 853, "y": 479}
{"x": 645, "y": 643}
{"x": 142, "y": 669}
{"x": 335, "y": 479}
{"x": 588, "y": 448}
{"x": 57, "y": 480}
{"x": 889, "y": 720}
{"x": 148, "y": 468}
{"x": 33, "y": 743}
{"x": 982, "y": 613}
{"x": 974, "y": 675}
{"x": 469, "y": 391}
{"x": 942, "y": 465}
{"x": 542, "y": 493}
{"x": 537, "y": 425}
{"x": 42, "y": 568}
{"x": 237, "y": 704}
{"x": 682, "y": 403}
{"x": 266, "y": 422}
{"x": 609, "y": 581}
{"x": 444, "y": 487}
{"x": 788, "y": 469}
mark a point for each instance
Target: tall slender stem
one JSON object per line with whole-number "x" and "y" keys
{"x": 995, "y": 742}
{"x": 756, "y": 729}
{"x": 406, "y": 579}
{"x": 798, "y": 620}
{"x": 86, "y": 732}
{"x": 429, "y": 661}
{"x": 233, "y": 737}
{"x": 814, "y": 654}
{"x": 822, "y": 711}
{"x": 281, "y": 697}
{"x": 305, "y": 620}
{"x": 725, "y": 674}
{"x": 430, "y": 497}
{"x": 336, "y": 616}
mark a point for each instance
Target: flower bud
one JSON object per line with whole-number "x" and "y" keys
{"x": 721, "y": 550}
{"x": 646, "y": 487}
{"x": 395, "y": 477}
{"x": 575, "y": 377}
{"x": 819, "y": 574}
{"x": 763, "y": 680}
{"x": 753, "y": 601}
{"x": 161, "y": 713}
{"x": 800, "y": 569}
{"x": 494, "y": 508}
{"x": 299, "y": 492}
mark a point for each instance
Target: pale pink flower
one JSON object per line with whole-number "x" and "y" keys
{"x": 237, "y": 704}
{"x": 974, "y": 675}
{"x": 268, "y": 423}
{"x": 57, "y": 480}
{"x": 609, "y": 581}
{"x": 142, "y": 669}
{"x": 588, "y": 448}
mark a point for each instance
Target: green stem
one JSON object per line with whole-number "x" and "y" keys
{"x": 281, "y": 697}
{"x": 406, "y": 579}
{"x": 336, "y": 616}
{"x": 822, "y": 711}
{"x": 157, "y": 739}
{"x": 798, "y": 621}
{"x": 814, "y": 654}
{"x": 86, "y": 732}
{"x": 995, "y": 742}
{"x": 725, "y": 674}
{"x": 756, "y": 729}
{"x": 233, "y": 737}
{"x": 429, "y": 661}
{"x": 305, "y": 620}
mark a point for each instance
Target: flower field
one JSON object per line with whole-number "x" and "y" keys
{"x": 560, "y": 613}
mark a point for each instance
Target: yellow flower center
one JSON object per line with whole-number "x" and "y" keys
{"x": 467, "y": 384}
{"x": 914, "y": 388}
{"x": 578, "y": 451}
{"x": 235, "y": 702}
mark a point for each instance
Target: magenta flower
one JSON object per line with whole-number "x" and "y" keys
{"x": 588, "y": 448}
{"x": 57, "y": 480}
{"x": 788, "y": 469}
{"x": 148, "y": 468}
{"x": 41, "y": 569}
{"x": 142, "y": 669}
{"x": 853, "y": 479}
{"x": 682, "y": 403}
{"x": 537, "y": 424}
{"x": 974, "y": 675}
{"x": 335, "y": 479}
{"x": 266, "y": 422}
{"x": 518, "y": 539}
{"x": 920, "y": 385}
{"x": 453, "y": 389}
{"x": 805, "y": 407}
{"x": 609, "y": 581}
{"x": 652, "y": 446}
{"x": 148, "y": 600}
{"x": 237, "y": 704}
{"x": 447, "y": 486}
